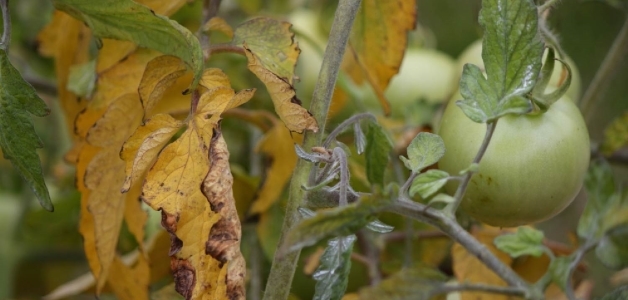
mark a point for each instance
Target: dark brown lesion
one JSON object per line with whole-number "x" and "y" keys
{"x": 184, "y": 277}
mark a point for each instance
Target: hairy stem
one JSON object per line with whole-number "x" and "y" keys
{"x": 578, "y": 255}
{"x": 344, "y": 125}
{"x": 283, "y": 268}
{"x": 6, "y": 21}
{"x": 210, "y": 10}
{"x": 450, "y": 227}
{"x": 490, "y": 129}
{"x": 596, "y": 89}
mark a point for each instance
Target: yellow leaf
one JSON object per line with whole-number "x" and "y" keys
{"x": 115, "y": 126}
{"x": 213, "y": 78}
{"x": 67, "y": 41}
{"x": 160, "y": 73}
{"x": 379, "y": 39}
{"x": 134, "y": 216}
{"x": 223, "y": 243}
{"x": 468, "y": 268}
{"x": 278, "y": 145}
{"x": 112, "y": 52}
{"x": 129, "y": 283}
{"x": 616, "y": 135}
{"x": 287, "y": 106}
{"x": 141, "y": 149}
{"x": 218, "y": 24}
{"x": 217, "y": 100}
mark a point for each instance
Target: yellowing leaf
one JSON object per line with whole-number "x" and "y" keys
{"x": 616, "y": 135}
{"x": 468, "y": 268}
{"x": 224, "y": 237}
{"x": 379, "y": 39}
{"x": 217, "y": 100}
{"x": 112, "y": 52}
{"x": 278, "y": 145}
{"x": 287, "y": 106}
{"x": 115, "y": 126}
{"x": 213, "y": 78}
{"x": 218, "y": 24}
{"x": 165, "y": 8}
{"x": 130, "y": 283}
{"x": 141, "y": 149}
{"x": 160, "y": 73}
{"x": 66, "y": 40}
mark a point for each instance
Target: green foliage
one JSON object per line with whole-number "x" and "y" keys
{"x": 18, "y": 139}
{"x": 416, "y": 283}
{"x": 428, "y": 183}
{"x": 424, "y": 150}
{"x": 618, "y": 294}
{"x": 82, "y": 80}
{"x": 130, "y": 21}
{"x": 332, "y": 275}
{"x": 559, "y": 270}
{"x": 512, "y": 58}
{"x": 526, "y": 241}
{"x": 538, "y": 93}
{"x": 616, "y": 135}
{"x": 612, "y": 250}
{"x": 377, "y": 151}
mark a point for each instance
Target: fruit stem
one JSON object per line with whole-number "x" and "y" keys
{"x": 451, "y": 209}
{"x": 284, "y": 266}
{"x": 596, "y": 89}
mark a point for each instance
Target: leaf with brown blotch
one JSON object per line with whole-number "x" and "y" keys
{"x": 117, "y": 124}
{"x": 287, "y": 106}
{"x": 223, "y": 243}
{"x": 278, "y": 145}
{"x": 129, "y": 283}
{"x": 160, "y": 73}
{"x": 218, "y": 24}
{"x": 467, "y": 268}
{"x": 272, "y": 43}
{"x": 67, "y": 41}
{"x": 379, "y": 38}
{"x": 141, "y": 149}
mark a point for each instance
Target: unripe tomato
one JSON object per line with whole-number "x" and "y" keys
{"x": 310, "y": 59}
{"x": 533, "y": 167}
{"x": 473, "y": 55}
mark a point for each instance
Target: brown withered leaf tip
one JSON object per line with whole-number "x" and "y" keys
{"x": 223, "y": 243}
{"x": 184, "y": 278}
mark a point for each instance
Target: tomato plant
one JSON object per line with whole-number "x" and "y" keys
{"x": 532, "y": 169}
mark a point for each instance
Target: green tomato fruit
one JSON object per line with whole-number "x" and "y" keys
{"x": 532, "y": 169}
{"x": 310, "y": 59}
{"x": 473, "y": 55}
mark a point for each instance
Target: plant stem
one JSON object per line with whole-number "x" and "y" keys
{"x": 578, "y": 255}
{"x": 450, "y": 227}
{"x": 210, "y": 10}
{"x": 6, "y": 21}
{"x": 596, "y": 89}
{"x": 283, "y": 268}
{"x": 513, "y": 291}
{"x": 345, "y": 124}
{"x": 224, "y": 48}
{"x": 490, "y": 129}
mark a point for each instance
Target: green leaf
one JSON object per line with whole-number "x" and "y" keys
{"x": 606, "y": 206}
{"x": 416, "y": 283}
{"x": 511, "y": 51}
{"x": 538, "y": 94}
{"x": 129, "y": 21}
{"x": 559, "y": 270}
{"x": 377, "y": 153}
{"x": 425, "y": 150}
{"x": 612, "y": 250}
{"x": 340, "y": 221}
{"x": 526, "y": 241}
{"x": 379, "y": 227}
{"x": 442, "y": 198}
{"x": 82, "y": 80}
{"x": 616, "y": 135}
{"x": 428, "y": 183}
{"x": 619, "y": 293}
{"x": 18, "y": 139}
{"x": 332, "y": 275}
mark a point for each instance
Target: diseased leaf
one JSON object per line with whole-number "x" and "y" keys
{"x": 272, "y": 44}
{"x": 160, "y": 73}
{"x": 332, "y": 275}
{"x": 339, "y": 221}
{"x": 414, "y": 283}
{"x": 612, "y": 250}
{"x": 287, "y": 106}
{"x": 141, "y": 149}
{"x": 117, "y": 124}
{"x": 377, "y": 153}
{"x": 218, "y": 24}
{"x": 616, "y": 135}
{"x": 278, "y": 145}
{"x": 511, "y": 51}
{"x": 82, "y": 79}
{"x": 428, "y": 183}
{"x": 526, "y": 241}
{"x": 129, "y": 283}
{"x": 223, "y": 243}
{"x": 425, "y": 149}
{"x": 18, "y": 140}
{"x": 378, "y": 42}
{"x": 130, "y": 21}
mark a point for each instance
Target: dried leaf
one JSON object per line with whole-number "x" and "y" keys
{"x": 112, "y": 52}
{"x": 129, "y": 283}
{"x": 160, "y": 73}
{"x": 287, "y": 106}
{"x": 218, "y": 24}
{"x": 223, "y": 243}
{"x": 115, "y": 126}
{"x": 278, "y": 145}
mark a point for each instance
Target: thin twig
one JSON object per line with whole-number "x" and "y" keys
{"x": 577, "y": 256}
{"x": 371, "y": 254}
{"x": 210, "y": 10}
{"x": 597, "y": 88}
{"x": 399, "y": 236}
{"x": 6, "y": 21}
{"x": 490, "y": 129}
{"x": 471, "y": 287}
{"x": 283, "y": 267}
{"x": 344, "y": 125}
{"x": 224, "y": 48}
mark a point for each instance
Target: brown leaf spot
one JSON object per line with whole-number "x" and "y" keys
{"x": 184, "y": 277}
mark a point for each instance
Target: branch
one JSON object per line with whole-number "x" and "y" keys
{"x": 490, "y": 129}
{"x": 283, "y": 267}
{"x": 512, "y": 291}
{"x": 6, "y": 21}
{"x": 224, "y": 48}
{"x": 578, "y": 255}
{"x": 596, "y": 89}
{"x": 210, "y": 10}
